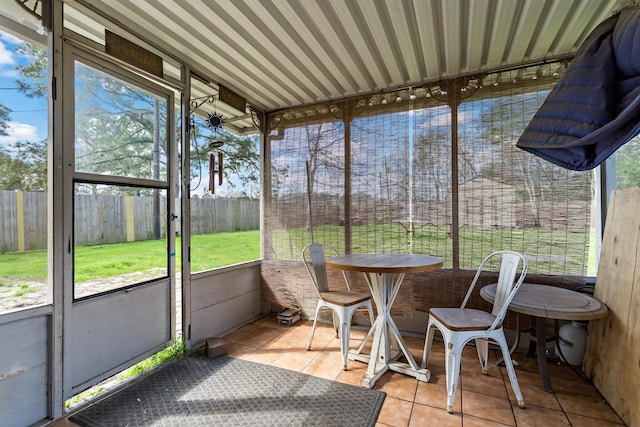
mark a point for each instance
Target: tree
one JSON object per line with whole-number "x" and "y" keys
{"x": 241, "y": 162}
{"x": 34, "y": 72}
{"x": 116, "y": 127}
{"x": 325, "y": 152}
{"x": 627, "y": 161}
{"x": 4, "y": 119}
{"x": 433, "y": 166}
{"x": 117, "y": 132}
{"x": 23, "y": 166}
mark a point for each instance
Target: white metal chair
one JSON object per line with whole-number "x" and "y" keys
{"x": 343, "y": 303}
{"x": 460, "y": 325}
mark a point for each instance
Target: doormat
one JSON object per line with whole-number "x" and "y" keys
{"x": 223, "y": 391}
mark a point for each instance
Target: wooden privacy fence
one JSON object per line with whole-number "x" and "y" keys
{"x": 101, "y": 219}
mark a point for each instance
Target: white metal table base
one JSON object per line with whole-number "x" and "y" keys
{"x": 387, "y": 345}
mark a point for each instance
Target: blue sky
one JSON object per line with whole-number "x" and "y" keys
{"x": 28, "y": 119}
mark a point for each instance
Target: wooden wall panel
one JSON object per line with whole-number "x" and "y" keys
{"x": 223, "y": 300}
{"x": 612, "y": 358}
{"x": 23, "y": 371}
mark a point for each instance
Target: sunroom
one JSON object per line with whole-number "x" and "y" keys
{"x": 189, "y": 151}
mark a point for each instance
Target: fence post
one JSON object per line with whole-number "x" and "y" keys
{"x": 20, "y": 220}
{"x": 131, "y": 231}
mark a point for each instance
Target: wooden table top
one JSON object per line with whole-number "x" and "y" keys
{"x": 551, "y": 302}
{"x": 385, "y": 263}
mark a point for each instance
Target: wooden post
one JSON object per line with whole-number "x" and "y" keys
{"x": 20, "y": 220}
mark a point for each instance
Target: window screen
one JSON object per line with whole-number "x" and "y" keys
{"x": 431, "y": 170}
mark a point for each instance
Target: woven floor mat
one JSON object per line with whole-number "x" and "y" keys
{"x": 223, "y": 391}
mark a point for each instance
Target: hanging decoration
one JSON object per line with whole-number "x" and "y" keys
{"x": 215, "y": 169}
{"x": 215, "y": 122}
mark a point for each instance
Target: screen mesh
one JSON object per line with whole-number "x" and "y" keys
{"x": 431, "y": 169}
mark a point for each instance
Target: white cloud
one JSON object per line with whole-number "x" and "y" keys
{"x": 19, "y": 132}
{"x": 442, "y": 117}
{"x": 9, "y": 38}
{"x": 7, "y": 59}
{"x": 6, "y": 56}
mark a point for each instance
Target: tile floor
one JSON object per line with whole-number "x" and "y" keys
{"x": 482, "y": 400}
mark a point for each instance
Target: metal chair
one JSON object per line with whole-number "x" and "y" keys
{"x": 343, "y": 303}
{"x": 460, "y": 325}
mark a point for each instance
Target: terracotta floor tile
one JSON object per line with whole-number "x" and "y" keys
{"x": 292, "y": 362}
{"x": 583, "y": 421}
{"x": 239, "y": 335}
{"x": 433, "y": 394}
{"x": 397, "y": 385}
{"x": 577, "y": 386}
{"x": 481, "y": 400}
{"x": 395, "y": 412}
{"x": 260, "y": 337}
{"x": 537, "y": 416}
{"x": 238, "y": 350}
{"x": 325, "y": 365}
{"x": 423, "y": 416}
{"x": 471, "y": 421}
{"x": 534, "y": 394}
{"x": 486, "y": 384}
{"x": 263, "y": 356}
{"x": 438, "y": 373}
{"x": 525, "y": 375}
{"x": 470, "y": 362}
{"x": 353, "y": 374}
{"x": 487, "y": 407}
{"x": 588, "y": 406}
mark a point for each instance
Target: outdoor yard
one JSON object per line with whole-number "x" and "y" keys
{"x": 23, "y": 275}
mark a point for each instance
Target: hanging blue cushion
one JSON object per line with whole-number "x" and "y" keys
{"x": 595, "y": 107}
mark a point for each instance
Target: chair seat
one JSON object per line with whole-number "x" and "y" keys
{"x": 344, "y": 298}
{"x": 463, "y": 319}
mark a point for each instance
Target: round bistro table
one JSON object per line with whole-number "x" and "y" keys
{"x": 549, "y": 302}
{"x": 384, "y": 273}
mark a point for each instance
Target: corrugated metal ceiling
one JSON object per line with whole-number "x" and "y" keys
{"x": 284, "y": 53}
{"x": 281, "y": 53}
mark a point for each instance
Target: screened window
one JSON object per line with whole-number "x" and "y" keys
{"x": 114, "y": 231}
{"x": 23, "y": 174}
{"x": 429, "y": 170}
{"x": 625, "y": 163}
{"x": 120, "y": 129}
{"x": 224, "y": 194}
{"x": 121, "y": 182}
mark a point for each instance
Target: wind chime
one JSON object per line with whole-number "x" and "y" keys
{"x": 215, "y": 122}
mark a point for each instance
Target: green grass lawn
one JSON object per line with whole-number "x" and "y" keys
{"x": 95, "y": 262}
{"x": 549, "y": 251}
{"x": 222, "y": 249}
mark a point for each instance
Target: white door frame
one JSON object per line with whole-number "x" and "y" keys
{"x": 107, "y": 333}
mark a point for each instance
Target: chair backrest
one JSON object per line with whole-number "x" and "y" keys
{"x": 507, "y": 283}
{"x": 315, "y": 253}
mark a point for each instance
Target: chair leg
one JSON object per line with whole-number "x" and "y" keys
{"x": 453, "y": 352}
{"x": 345, "y": 333}
{"x": 336, "y": 323}
{"x": 502, "y": 341}
{"x": 427, "y": 344}
{"x": 482, "y": 347}
{"x": 371, "y": 318}
{"x": 313, "y": 328}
